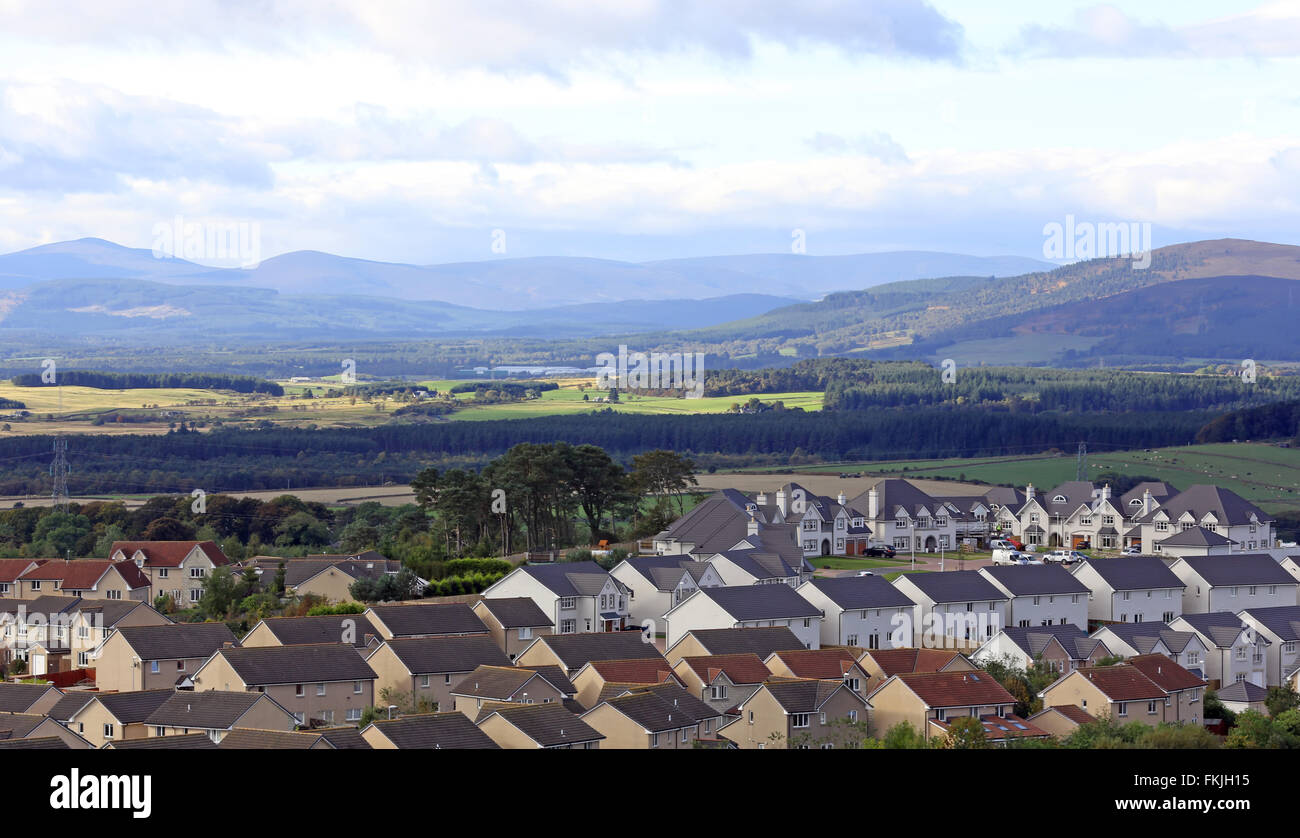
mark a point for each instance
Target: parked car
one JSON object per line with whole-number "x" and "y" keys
{"x": 866, "y": 573}
{"x": 1028, "y": 559}
{"x": 1065, "y": 556}
{"x": 1008, "y": 557}
{"x": 1131, "y": 551}
{"x": 880, "y": 551}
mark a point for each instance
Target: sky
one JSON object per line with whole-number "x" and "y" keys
{"x": 429, "y": 132}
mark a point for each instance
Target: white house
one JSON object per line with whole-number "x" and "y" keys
{"x": 1280, "y": 626}
{"x": 1132, "y": 589}
{"x": 863, "y": 611}
{"x": 1185, "y": 648}
{"x": 1041, "y": 595}
{"x": 1233, "y": 583}
{"x": 657, "y": 583}
{"x": 1216, "y": 510}
{"x": 579, "y": 596}
{"x": 1061, "y": 648}
{"x": 1236, "y": 651}
{"x": 959, "y": 609}
{"x": 903, "y": 516}
{"x": 747, "y": 606}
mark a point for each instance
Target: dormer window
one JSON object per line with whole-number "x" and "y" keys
{"x": 1059, "y": 499}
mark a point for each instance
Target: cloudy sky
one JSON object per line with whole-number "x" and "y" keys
{"x": 410, "y": 131}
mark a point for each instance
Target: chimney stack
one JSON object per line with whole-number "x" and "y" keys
{"x": 1146, "y": 501}
{"x": 873, "y": 504}
{"x": 1029, "y": 492}
{"x": 841, "y": 500}
{"x": 751, "y": 528}
{"x": 781, "y": 502}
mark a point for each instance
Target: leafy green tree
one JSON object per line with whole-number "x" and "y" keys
{"x": 966, "y": 734}
{"x": 662, "y": 472}
{"x": 301, "y": 529}
{"x": 219, "y": 590}
{"x": 1281, "y": 699}
{"x": 169, "y": 529}
{"x": 903, "y": 736}
{"x": 58, "y": 533}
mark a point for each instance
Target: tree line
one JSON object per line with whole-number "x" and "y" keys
{"x": 151, "y": 381}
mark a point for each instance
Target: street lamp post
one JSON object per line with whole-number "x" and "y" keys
{"x": 912, "y": 525}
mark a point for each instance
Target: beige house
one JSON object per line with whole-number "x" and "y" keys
{"x": 95, "y": 619}
{"x": 216, "y": 713}
{"x": 920, "y": 698}
{"x": 29, "y": 726}
{"x": 321, "y": 685}
{"x": 492, "y": 684}
{"x": 10, "y": 570}
{"x": 35, "y": 699}
{"x": 593, "y": 677}
{"x": 424, "y": 670}
{"x": 1122, "y": 692}
{"x": 424, "y": 619}
{"x": 513, "y": 622}
{"x": 571, "y": 652}
{"x": 642, "y": 721}
{"x": 882, "y": 664}
{"x": 174, "y": 568}
{"x": 349, "y": 629}
{"x": 799, "y": 714}
{"x": 87, "y": 578}
{"x": 529, "y": 726}
{"x": 152, "y": 657}
{"x": 1061, "y": 720}
{"x": 429, "y": 731}
{"x": 1186, "y": 690}
{"x": 722, "y": 681}
{"x": 116, "y": 717}
{"x": 761, "y": 641}
{"x": 833, "y": 664}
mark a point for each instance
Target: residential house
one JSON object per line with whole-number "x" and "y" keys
{"x": 593, "y": 677}
{"x": 428, "y": 731}
{"x": 959, "y": 609}
{"x": 571, "y": 652}
{"x": 33, "y": 699}
{"x": 708, "y": 719}
{"x": 1234, "y": 650}
{"x": 353, "y": 630}
{"x": 924, "y": 698}
{"x": 657, "y": 583}
{"x": 1186, "y": 689}
{"x": 826, "y": 526}
{"x": 188, "y": 742}
{"x": 1217, "y": 510}
{"x": 1280, "y": 626}
{"x": 321, "y": 685}
{"x": 10, "y": 570}
{"x": 250, "y": 739}
{"x": 548, "y": 726}
{"x": 1121, "y": 692}
{"x": 174, "y": 568}
{"x": 1041, "y": 595}
{"x": 1077, "y": 515}
{"x": 425, "y": 619}
{"x": 136, "y": 658}
{"x": 426, "y": 669}
{"x": 761, "y": 559}
{"x": 863, "y": 611}
{"x": 1244, "y": 695}
{"x": 903, "y": 516}
{"x": 882, "y": 664}
{"x": 215, "y": 713}
{"x": 746, "y": 606}
{"x": 642, "y": 721}
{"x": 1127, "y": 640}
{"x": 543, "y": 685}
{"x": 1059, "y": 648}
{"x": 513, "y": 622}
{"x": 1233, "y": 583}
{"x": 1131, "y": 589}
{"x": 28, "y": 726}
{"x": 722, "y": 681}
{"x": 1061, "y": 720}
{"x": 87, "y": 578}
{"x": 116, "y": 716}
{"x": 93, "y": 620}
{"x": 761, "y": 641}
{"x": 798, "y": 713}
{"x": 820, "y": 665}
{"x": 578, "y": 597}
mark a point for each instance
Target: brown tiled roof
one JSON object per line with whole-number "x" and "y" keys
{"x": 1122, "y": 682}
{"x": 746, "y": 668}
{"x": 817, "y": 663}
{"x": 898, "y": 661}
{"x": 247, "y": 739}
{"x": 1073, "y": 712}
{"x": 635, "y": 671}
{"x": 956, "y": 689}
{"x": 82, "y": 574}
{"x": 1167, "y": 674}
{"x": 10, "y": 569}
{"x": 997, "y": 728}
{"x": 168, "y": 553}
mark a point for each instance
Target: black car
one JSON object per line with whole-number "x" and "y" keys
{"x": 880, "y": 552}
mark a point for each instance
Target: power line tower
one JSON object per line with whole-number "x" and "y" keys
{"x": 1081, "y": 470}
{"x": 59, "y": 471}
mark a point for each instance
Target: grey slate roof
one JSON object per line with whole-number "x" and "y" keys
{"x": 1243, "y": 691}
{"x": 299, "y": 631}
{"x": 134, "y": 707}
{"x": 439, "y": 655}
{"x": 187, "y": 742}
{"x": 1240, "y": 569}
{"x": 1032, "y": 640}
{"x": 1132, "y": 573}
{"x": 956, "y": 586}
{"x": 716, "y": 523}
{"x": 1222, "y": 627}
{"x": 249, "y": 739}
{"x": 1195, "y": 537}
{"x": 651, "y": 712}
{"x": 855, "y": 592}
{"x": 1036, "y": 580}
{"x": 761, "y": 641}
{"x": 499, "y": 683}
{"x": 576, "y": 650}
{"x": 209, "y": 709}
{"x": 567, "y": 579}
{"x": 1282, "y": 620}
{"x": 65, "y": 708}
{"x": 429, "y": 619}
{"x": 1077, "y": 493}
{"x": 344, "y": 738}
{"x": 760, "y": 602}
{"x": 1160, "y": 491}
{"x": 436, "y": 731}
{"x": 178, "y": 640}
{"x": 517, "y": 612}
{"x": 1228, "y": 506}
{"x": 42, "y": 743}
{"x": 267, "y": 665}
{"x": 1143, "y": 636}
{"x": 893, "y": 492}
{"x": 802, "y": 695}
{"x": 665, "y": 572}
{"x": 18, "y": 698}
{"x": 681, "y": 700}
{"x": 546, "y": 724}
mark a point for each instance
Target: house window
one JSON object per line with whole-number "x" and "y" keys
{"x": 568, "y": 603}
{"x": 108, "y": 731}
{"x": 1151, "y": 708}
{"x": 83, "y": 659}
{"x": 941, "y": 715}
{"x": 718, "y": 692}
{"x": 159, "y": 730}
{"x": 196, "y": 594}
{"x": 568, "y": 626}
{"x": 1289, "y": 648}
{"x": 298, "y": 690}
{"x": 526, "y": 633}
{"x": 180, "y": 666}
{"x": 1122, "y": 708}
{"x": 320, "y": 689}
{"x": 36, "y": 584}
{"x": 153, "y": 667}
{"x": 83, "y": 632}
{"x": 799, "y": 719}
{"x": 424, "y": 682}
{"x": 685, "y": 736}
{"x": 196, "y": 573}
{"x": 654, "y": 740}
{"x": 353, "y": 715}
{"x": 162, "y": 573}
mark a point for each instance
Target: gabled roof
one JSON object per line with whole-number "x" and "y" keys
{"x": 1145, "y": 635}
{"x": 11, "y": 569}
{"x": 249, "y": 739}
{"x": 438, "y": 655}
{"x": 516, "y": 612}
{"x": 1033, "y": 640}
{"x": 1132, "y": 573}
{"x": 184, "y": 742}
{"x": 300, "y": 571}
{"x": 681, "y": 700}
{"x": 856, "y": 592}
{"x": 1243, "y": 691}
{"x": 1239, "y": 569}
{"x": 177, "y": 640}
{"x": 956, "y": 586}
{"x": 1221, "y": 627}
{"x": 761, "y": 641}
{"x": 1160, "y": 492}
{"x": 111, "y": 611}
{"x": 321, "y": 662}
{"x": 299, "y": 631}
{"x": 762, "y": 564}
{"x": 133, "y": 707}
{"x": 1165, "y": 673}
{"x": 1226, "y": 505}
{"x": 665, "y": 572}
{"x": 652, "y": 713}
{"x": 742, "y": 668}
{"x": 1036, "y": 580}
{"x": 84, "y": 574}
{"x": 954, "y": 689}
{"x": 435, "y": 731}
{"x": 1000, "y": 728}
{"x": 571, "y": 579}
{"x": 906, "y": 660}
{"x": 429, "y": 619}
{"x": 804, "y": 695}
{"x": 169, "y": 553}
{"x": 1195, "y": 537}
{"x": 1122, "y": 682}
{"x": 20, "y": 725}
{"x": 19, "y": 698}
{"x": 893, "y": 492}
{"x": 343, "y": 738}
{"x": 208, "y": 709}
{"x": 1077, "y": 493}
{"x": 634, "y": 670}
{"x": 548, "y": 725}
{"x": 495, "y": 682}
{"x": 41, "y": 743}
{"x": 828, "y": 663}
{"x": 758, "y": 602}
{"x": 1281, "y": 620}
{"x": 71, "y": 703}
{"x": 1073, "y": 712}
{"x": 716, "y": 523}
{"x": 575, "y": 650}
